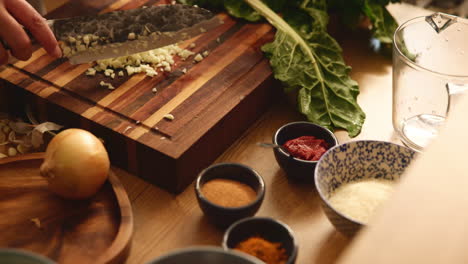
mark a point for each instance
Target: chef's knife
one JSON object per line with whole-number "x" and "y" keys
{"x": 119, "y": 33}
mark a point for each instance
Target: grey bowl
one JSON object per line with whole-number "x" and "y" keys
{"x": 224, "y": 216}
{"x": 298, "y": 169}
{"x": 265, "y": 227}
{"x": 205, "y": 255}
{"x": 17, "y": 256}
{"x": 357, "y": 160}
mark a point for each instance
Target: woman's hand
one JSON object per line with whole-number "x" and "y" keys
{"x": 17, "y": 13}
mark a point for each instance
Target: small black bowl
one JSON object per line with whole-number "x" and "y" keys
{"x": 224, "y": 216}
{"x": 205, "y": 255}
{"x": 264, "y": 227}
{"x": 298, "y": 169}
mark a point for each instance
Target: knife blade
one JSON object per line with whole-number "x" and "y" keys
{"x": 114, "y": 34}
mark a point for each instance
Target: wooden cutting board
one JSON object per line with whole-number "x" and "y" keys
{"x": 213, "y": 103}
{"x": 97, "y": 230}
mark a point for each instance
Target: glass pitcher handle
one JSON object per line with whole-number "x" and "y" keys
{"x": 454, "y": 92}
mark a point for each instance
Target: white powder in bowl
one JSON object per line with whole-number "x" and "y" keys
{"x": 359, "y": 200}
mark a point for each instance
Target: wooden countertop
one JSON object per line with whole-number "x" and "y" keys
{"x": 165, "y": 222}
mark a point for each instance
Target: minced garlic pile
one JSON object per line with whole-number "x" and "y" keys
{"x": 148, "y": 62}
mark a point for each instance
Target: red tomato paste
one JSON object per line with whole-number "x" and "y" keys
{"x": 306, "y": 147}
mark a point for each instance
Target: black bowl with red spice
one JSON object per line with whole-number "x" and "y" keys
{"x": 303, "y": 143}
{"x": 227, "y": 192}
{"x": 265, "y": 238}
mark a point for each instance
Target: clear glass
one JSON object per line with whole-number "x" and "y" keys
{"x": 430, "y": 70}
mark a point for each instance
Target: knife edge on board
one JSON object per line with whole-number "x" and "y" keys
{"x": 119, "y": 33}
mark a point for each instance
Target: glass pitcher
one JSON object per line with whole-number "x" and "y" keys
{"x": 430, "y": 71}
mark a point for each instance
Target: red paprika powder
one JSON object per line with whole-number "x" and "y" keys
{"x": 306, "y": 147}
{"x": 268, "y": 252}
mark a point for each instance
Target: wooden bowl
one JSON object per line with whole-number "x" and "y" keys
{"x": 96, "y": 230}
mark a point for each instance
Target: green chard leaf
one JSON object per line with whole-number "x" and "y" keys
{"x": 383, "y": 24}
{"x": 307, "y": 59}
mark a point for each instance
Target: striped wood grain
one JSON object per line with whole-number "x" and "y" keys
{"x": 209, "y": 95}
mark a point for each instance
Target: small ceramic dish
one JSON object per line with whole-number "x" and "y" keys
{"x": 357, "y": 160}
{"x": 224, "y": 216}
{"x": 295, "y": 168}
{"x": 205, "y": 255}
{"x": 267, "y": 228}
{"x": 17, "y": 256}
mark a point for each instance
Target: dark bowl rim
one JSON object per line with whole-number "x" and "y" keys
{"x": 275, "y": 139}
{"x": 262, "y": 218}
{"x": 207, "y": 249}
{"x": 26, "y": 253}
{"x": 258, "y": 199}
{"x": 319, "y": 190}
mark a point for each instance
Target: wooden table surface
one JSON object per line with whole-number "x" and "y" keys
{"x": 165, "y": 222}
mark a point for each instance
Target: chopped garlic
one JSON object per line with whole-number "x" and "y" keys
{"x": 81, "y": 47}
{"x": 184, "y": 70}
{"x": 108, "y": 85}
{"x": 198, "y": 57}
{"x": 108, "y": 72}
{"x": 147, "y": 62}
{"x": 154, "y": 90}
{"x": 86, "y": 39}
{"x": 91, "y": 72}
{"x": 131, "y": 36}
{"x": 169, "y": 116}
{"x": 192, "y": 45}
{"x": 205, "y": 53}
{"x": 66, "y": 51}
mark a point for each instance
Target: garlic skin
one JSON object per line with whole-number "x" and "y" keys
{"x": 76, "y": 164}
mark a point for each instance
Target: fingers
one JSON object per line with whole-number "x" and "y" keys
{"x": 3, "y": 55}
{"x": 36, "y": 24}
{"x": 14, "y": 35}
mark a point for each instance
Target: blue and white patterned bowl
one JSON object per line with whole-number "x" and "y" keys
{"x": 357, "y": 160}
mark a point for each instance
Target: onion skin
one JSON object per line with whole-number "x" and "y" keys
{"x": 76, "y": 164}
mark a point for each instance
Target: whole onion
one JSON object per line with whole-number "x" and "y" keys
{"x": 76, "y": 164}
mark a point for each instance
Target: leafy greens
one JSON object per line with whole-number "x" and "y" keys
{"x": 306, "y": 59}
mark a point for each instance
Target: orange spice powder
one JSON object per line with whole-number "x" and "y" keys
{"x": 268, "y": 252}
{"x": 228, "y": 193}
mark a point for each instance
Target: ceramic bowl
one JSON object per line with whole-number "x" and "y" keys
{"x": 357, "y": 160}
{"x": 205, "y": 255}
{"x": 298, "y": 169}
{"x": 17, "y": 256}
{"x": 224, "y": 216}
{"x": 267, "y": 228}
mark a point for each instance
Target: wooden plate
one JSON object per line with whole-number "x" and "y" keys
{"x": 97, "y": 230}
